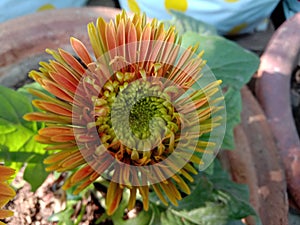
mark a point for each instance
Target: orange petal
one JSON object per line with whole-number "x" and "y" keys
{"x": 48, "y": 98}
{"x": 168, "y": 46}
{"x": 81, "y": 174}
{"x": 132, "y": 198}
{"x": 132, "y": 39}
{"x": 66, "y": 82}
{"x": 64, "y": 71}
{"x": 5, "y": 214}
{"x": 121, "y": 40}
{"x": 81, "y": 50}
{"x": 64, "y": 146}
{"x": 74, "y": 64}
{"x": 55, "y": 130}
{"x": 43, "y": 139}
{"x": 185, "y": 57}
{"x": 113, "y": 197}
{"x": 53, "y": 107}
{"x": 94, "y": 176}
{"x": 53, "y": 167}
{"x": 111, "y": 40}
{"x": 144, "y": 48}
{"x": 6, "y": 173}
{"x": 54, "y": 158}
{"x": 103, "y": 163}
{"x": 51, "y": 118}
{"x": 63, "y": 138}
{"x": 157, "y": 46}
{"x": 82, "y": 186}
{"x": 75, "y": 159}
{"x": 6, "y": 193}
{"x": 56, "y": 90}
{"x": 144, "y": 191}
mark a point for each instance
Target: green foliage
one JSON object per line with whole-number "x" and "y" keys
{"x": 233, "y": 100}
{"x": 212, "y": 213}
{"x": 235, "y": 196}
{"x": 17, "y": 142}
{"x": 215, "y": 199}
{"x": 63, "y": 217}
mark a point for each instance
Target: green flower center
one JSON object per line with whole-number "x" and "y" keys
{"x": 141, "y": 115}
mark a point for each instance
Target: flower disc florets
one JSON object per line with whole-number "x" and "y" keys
{"x": 140, "y": 114}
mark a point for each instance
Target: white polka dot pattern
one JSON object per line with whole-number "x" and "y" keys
{"x": 228, "y": 16}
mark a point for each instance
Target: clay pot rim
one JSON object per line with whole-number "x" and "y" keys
{"x": 272, "y": 89}
{"x": 30, "y": 34}
{"x": 24, "y": 39}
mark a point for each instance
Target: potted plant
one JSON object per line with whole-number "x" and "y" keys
{"x": 23, "y": 46}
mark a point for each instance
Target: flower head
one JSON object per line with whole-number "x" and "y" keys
{"x": 6, "y": 192}
{"x": 131, "y": 113}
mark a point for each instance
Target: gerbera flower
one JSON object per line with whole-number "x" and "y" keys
{"x": 131, "y": 114}
{"x": 6, "y": 192}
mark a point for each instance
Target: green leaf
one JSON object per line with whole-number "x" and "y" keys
{"x": 233, "y": 104}
{"x": 228, "y": 61}
{"x": 17, "y": 142}
{"x": 155, "y": 217}
{"x": 210, "y": 214}
{"x": 35, "y": 172}
{"x": 63, "y": 217}
{"x": 235, "y": 196}
{"x": 201, "y": 194}
{"x": 13, "y": 107}
{"x": 184, "y": 23}
{"x": 222, "y": 182}
{"x": 6, "y": 128}
{"x": 238, "y": 208}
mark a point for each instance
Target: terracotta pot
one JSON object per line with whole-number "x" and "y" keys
{"x": 256, "y": 162}
{"x": 24, "y": 40}
{"x": 272, "y": 89}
